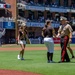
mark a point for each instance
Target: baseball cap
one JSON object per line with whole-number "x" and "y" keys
{"x": 63, "y": 18}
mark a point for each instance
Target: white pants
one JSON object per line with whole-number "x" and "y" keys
{"x": 49, "y": 44}
{"x": 22, "y": 42}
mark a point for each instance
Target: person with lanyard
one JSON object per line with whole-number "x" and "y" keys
{"x": 65, "y": 32}
{"x": 22, "y": 37}
{"x": 48, "y": 32}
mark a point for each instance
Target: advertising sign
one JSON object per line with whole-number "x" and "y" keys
{"x": 9, "y": 25}
{"x": 56, "y": 40}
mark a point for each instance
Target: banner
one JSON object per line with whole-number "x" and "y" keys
{"x": 56, "y": 40}
{"x": 37, "y": 24}
{"x": 30, "y": 7}
{"x": 73, "y": 40}
{"x": 64, "y": 10}
{"x": 9, "y": 25}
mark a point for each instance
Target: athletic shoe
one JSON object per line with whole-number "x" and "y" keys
{"x": 52, "y": 62}
{"x": 22, "y": 59}
{"x": 18, "y": 56}
{"x": 67, "y": 60}
{"x": 48, "y": 61}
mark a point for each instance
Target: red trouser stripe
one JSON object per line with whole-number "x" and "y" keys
{"x": 66, "y": 38}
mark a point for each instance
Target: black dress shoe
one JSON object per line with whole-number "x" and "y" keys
{"x": 73, "y": 57}
{"x": 68, "y": 61}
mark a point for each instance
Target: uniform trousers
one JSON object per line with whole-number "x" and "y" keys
{"x": 64, "y": 55}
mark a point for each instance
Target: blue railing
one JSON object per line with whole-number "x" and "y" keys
{"x": 49, "y": 8}
{"x": 40, "y": 24}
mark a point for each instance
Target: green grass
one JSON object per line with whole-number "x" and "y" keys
{"x": 30, "y": 45}
{"x": 36, "y": 61}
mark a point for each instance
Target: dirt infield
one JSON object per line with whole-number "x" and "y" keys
{"x": 17, "y": 47}
{"x": 28, "y": 48}
{"x": 13, "y": 72}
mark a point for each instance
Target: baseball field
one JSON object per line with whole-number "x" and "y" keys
{"x": 35, "y": 62}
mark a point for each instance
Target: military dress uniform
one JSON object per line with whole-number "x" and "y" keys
{"x": 64, "y": 31}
